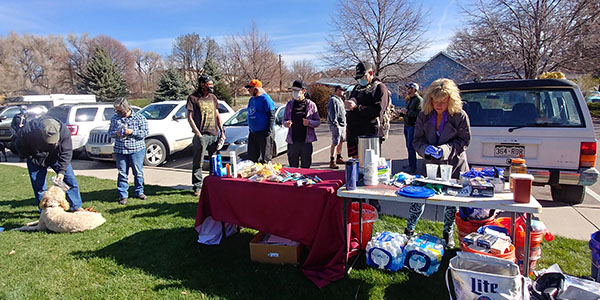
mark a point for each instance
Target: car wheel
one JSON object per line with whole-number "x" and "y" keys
{"x": 156, "y": 153}
{"x": 572, "y": 194}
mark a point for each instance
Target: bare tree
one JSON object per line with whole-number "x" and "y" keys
{"x": 384, "y": 32}
{"x": 33, "y": 63}
{"x": 121, "y": 57}
{"x": 148, "y": 66}
{"x": 526, "y": 38}
{"x": 304, "y": 70}
{"x": 250, "y": 55}
{"x": 190, "y": 53}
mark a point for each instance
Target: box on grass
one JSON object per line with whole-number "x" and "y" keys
{"x": 262, "y": 251}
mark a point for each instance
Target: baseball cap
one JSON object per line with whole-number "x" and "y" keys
{"x": 254, "y": 83}
{"x": 361, "y": 69}
{"x": 50, "y": 131}
{"x": 413, "y": 85}
{"x": 204, "y": 78}
{"x": 298, "y": 84}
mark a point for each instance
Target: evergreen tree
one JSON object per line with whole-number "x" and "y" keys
{"x": 222, "y": 90}
{"x": 103, "y": 78}
{"x": 171, "y": 86}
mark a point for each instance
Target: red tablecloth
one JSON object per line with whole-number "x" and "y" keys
{"x": 311, "y": 215}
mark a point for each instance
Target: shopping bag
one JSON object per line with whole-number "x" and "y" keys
{"x": 483, "y": 277}
{"x": 211, "y": 231}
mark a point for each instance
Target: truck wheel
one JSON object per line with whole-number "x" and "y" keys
{"x": 156, "y": 153}
{"x": 567, "y": 193}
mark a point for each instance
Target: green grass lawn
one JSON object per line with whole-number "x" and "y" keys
{"x": 148, "y": 250}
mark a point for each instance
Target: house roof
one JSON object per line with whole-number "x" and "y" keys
{"x": 441, "y": 53}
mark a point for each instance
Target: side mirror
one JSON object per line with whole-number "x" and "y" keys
{"x": 2, "y": 118}
{"x": 178, "y": 117}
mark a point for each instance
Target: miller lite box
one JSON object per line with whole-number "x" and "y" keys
{"x": 423, "y": 254}
{"x": 384, "y": 251}
{"x": 484, "y": 277}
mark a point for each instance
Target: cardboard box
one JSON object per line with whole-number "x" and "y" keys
{"x": 272, "y": 253}
{"x": 481, "y": 187}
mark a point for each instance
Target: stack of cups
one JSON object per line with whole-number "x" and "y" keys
{"x": 371, "y": 162}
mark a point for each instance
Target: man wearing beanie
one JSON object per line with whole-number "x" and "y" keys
{"x": 46, "y": 142}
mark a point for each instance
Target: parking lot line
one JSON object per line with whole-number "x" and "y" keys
{"x": 323, "y": 149}
{"x": 589, "y": 191}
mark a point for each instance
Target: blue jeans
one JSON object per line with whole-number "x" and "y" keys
{"x": 37, "y": 175}
{"x": 409, "y": 135}
{"x": 135, "y": 161}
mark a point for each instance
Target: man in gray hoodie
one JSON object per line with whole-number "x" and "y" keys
{"x": 336, "y": 118}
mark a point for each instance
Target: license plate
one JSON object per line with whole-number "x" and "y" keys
{"x": 509, "y": 151}
{"x": 95, "y": 150}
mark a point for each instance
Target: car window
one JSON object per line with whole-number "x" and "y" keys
{"x": 181, "y": 112}
{"x": 223, "y": 109}
{"x": 532, "y": 108}
{"x": 85, "y": 114}
{"x": 240, "y": 118}
{"x": 157, "y": 111}
{"x": 109, "y": 112}
{"x": 279, "y": 117}
{"x": 60, "y": 112}
{"x": 10, "y": 112}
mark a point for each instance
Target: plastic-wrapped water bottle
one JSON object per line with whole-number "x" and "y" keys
{"x": 384, "y": 250}
{"x": 423, "y": 254}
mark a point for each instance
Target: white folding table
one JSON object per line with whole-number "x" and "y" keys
{"x": 501, "y": 201}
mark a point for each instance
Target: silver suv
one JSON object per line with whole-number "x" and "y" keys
{"x": 546, "y": 122}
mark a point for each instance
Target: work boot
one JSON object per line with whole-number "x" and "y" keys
{"x": 333, "y": 165}
{"x": 448, "y": 238}
{"x": 339, "y": 161}
{"x": 123, "y": 201}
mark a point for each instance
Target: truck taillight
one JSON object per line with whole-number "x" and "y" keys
{"x": 587, "y": 156}
{"x": 75, "y": 128}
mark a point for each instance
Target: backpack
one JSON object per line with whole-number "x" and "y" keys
{"x": 386, "y": 114}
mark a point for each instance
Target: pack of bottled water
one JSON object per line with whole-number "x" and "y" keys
{"x": 423, "y": 254}
{"x": 384, "y": 250}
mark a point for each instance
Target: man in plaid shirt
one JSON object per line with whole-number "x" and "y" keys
{"x": 129, "y": 129}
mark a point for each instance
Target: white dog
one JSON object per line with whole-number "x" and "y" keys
{"x": 55, "y": 218}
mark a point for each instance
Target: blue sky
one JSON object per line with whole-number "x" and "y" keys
{"x": 297, "y": 29}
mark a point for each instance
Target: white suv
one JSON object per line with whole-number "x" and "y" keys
{"x": 168, "y": 132}
{"x": 546, "y": 121}
{"x": 82, "y": 118}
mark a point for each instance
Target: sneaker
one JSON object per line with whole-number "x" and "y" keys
{"x": 123, "y": 201}
{"x": 142, "y": 197}
{"x": 78, "y": 209}
{"x": 197, "y": 193}
{"x": 409, "y": 233}
{"x": 340, "y": 161}
{"x": 333, "y": 165}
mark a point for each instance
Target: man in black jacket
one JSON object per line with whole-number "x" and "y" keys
{"x": 410, "y": 113}
{"x": 46, "y": 142}
{"x": 364, "y": 106}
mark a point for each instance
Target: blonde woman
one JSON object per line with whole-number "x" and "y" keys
{"x": 442, "y": 135}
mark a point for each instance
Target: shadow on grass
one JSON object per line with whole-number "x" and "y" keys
{"x": 184, "y": 209}
{"x": 422, "y": 287}
{"x": 112, "y": 195}
{"x": 224, "y": 270}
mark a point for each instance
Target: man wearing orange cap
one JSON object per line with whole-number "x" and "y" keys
{"x": 261, "y": 117}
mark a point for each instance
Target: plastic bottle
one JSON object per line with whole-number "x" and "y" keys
{"x": 517, "y": 166}
{"x": 233, "y": 160}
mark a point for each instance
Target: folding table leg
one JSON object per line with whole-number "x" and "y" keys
{"x": 513, "y": 217}
{"x": 527, "y": 245}
{"x": 345, "y": 231}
